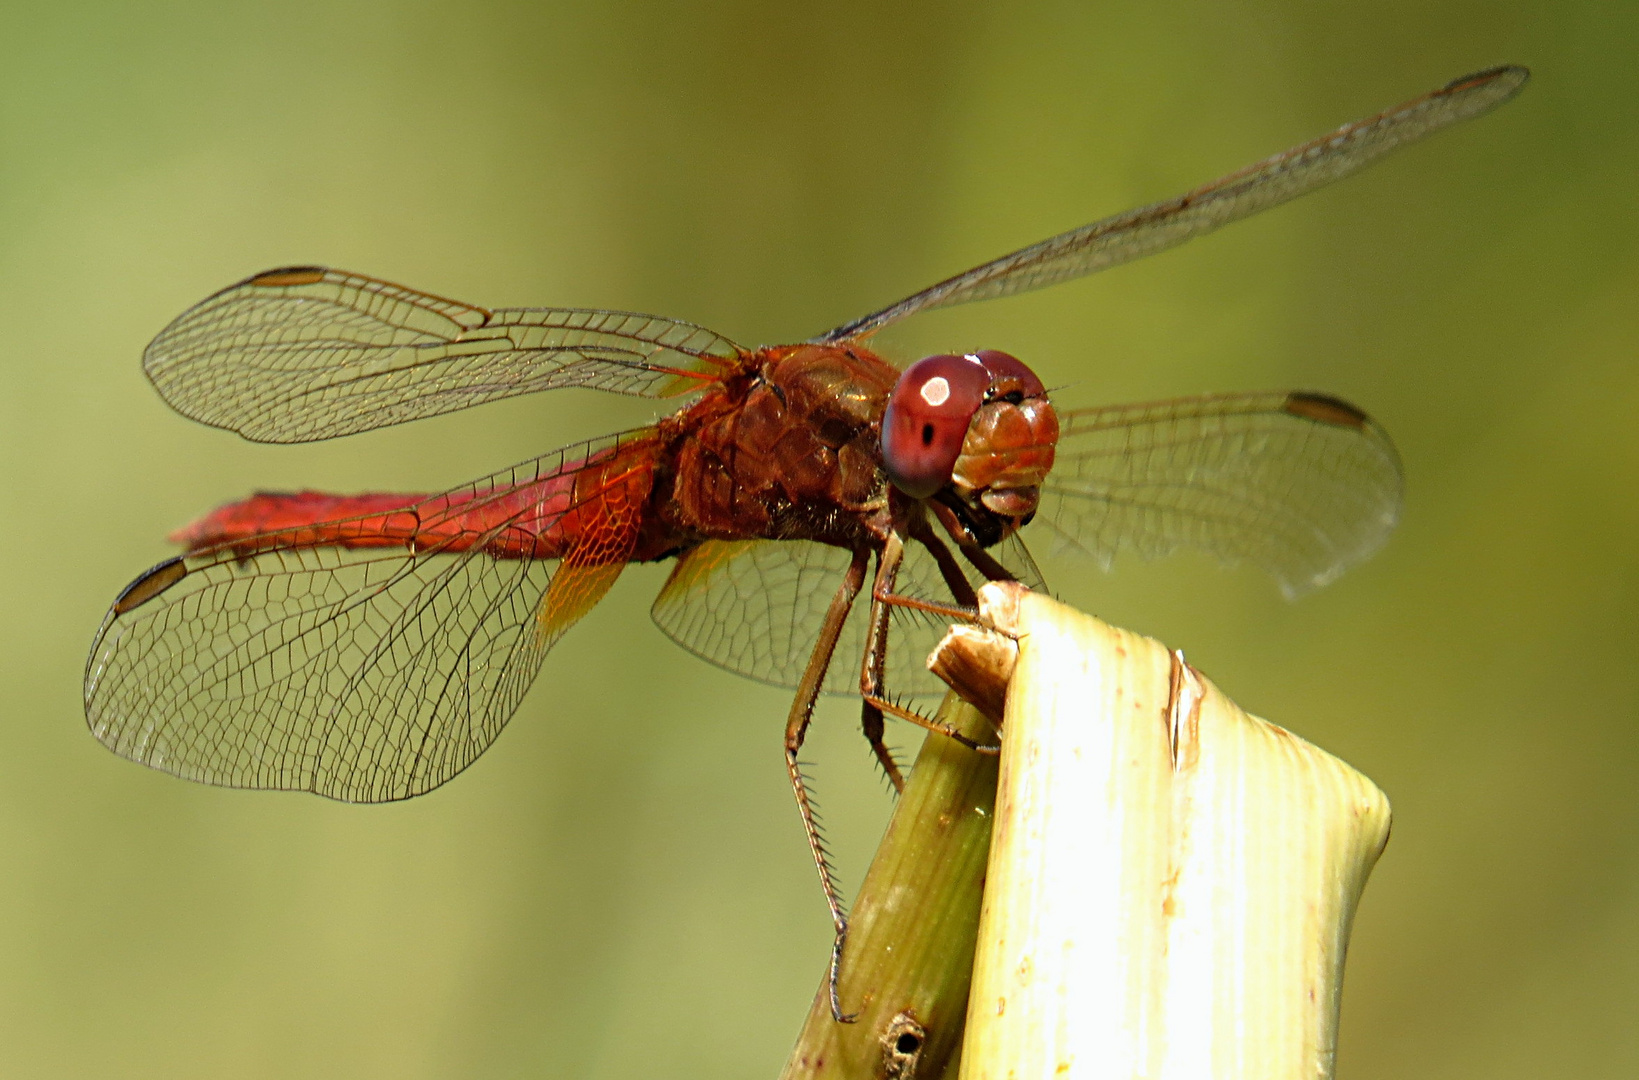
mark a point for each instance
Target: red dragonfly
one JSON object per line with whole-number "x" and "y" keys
{"x": 369, "y": 647}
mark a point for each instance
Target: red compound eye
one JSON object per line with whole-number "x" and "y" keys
{"x": 1009, "y": 374}
{"x": 926, "y": 420}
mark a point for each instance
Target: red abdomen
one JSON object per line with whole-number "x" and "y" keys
{"x": 591, "y": 510}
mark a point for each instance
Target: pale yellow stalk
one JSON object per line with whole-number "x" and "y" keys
{"x": 1171, "y": 881}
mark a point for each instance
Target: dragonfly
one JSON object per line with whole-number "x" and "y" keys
{"x": 369, "y": 647}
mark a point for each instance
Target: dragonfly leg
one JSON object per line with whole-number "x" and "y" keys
{"x": 875, "y": 660}
{"x": 796, "y": 729}
{"x": 883, "y": 600}
{"x": 966, "y": 608}
{"x": 952, "y": 612}
{"x": 949, "y": 569}
{"x": 870, "y": 721}
{"x": 939, "y": 728}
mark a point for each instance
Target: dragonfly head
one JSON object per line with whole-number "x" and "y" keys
{"x": 979, "y": 424}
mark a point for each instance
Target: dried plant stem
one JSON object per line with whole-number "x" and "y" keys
{"x": 1171, "y": 881}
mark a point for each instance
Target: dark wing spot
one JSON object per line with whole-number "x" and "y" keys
{"x": 151, "y": 584}
{"x": 1325, "y": 409}
{"x": 927, "y": 434}
{"x": 290, "y": 275}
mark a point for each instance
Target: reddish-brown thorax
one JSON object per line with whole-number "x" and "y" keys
{"x": 785, "y": 450}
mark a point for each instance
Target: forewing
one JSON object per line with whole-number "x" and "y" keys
{"x": 361, "y": 674}
{"x": 1301, "y": 485}
{"x": 755, "y": 608}
{"x": 306, "y": 353}
{"x": 1149, "y": 229}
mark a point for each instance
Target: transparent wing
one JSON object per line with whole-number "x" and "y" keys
{"x": 365, "y": 673}
{"x": 1149, "y": 229}
{"x": 754, "y": 607}
{"x": 306, "y": 353}
{"x": 1301, "y": 485}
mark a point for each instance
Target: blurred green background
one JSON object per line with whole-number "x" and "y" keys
{"x": 619, "y": 888}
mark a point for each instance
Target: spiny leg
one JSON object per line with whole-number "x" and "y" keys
{"x": 796, "y": 729}
{"x": 955, "y": 525}
{"x": 870, "y": 721}
{"x": 883, "y": 600}
{"x": 966, "y": 608}
{"x": 949, "y": 569}
{"x": 871, "y": 687}
{"x": 875, "y": 659}
{"x": 936, "y": 726}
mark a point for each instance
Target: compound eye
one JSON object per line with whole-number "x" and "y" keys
{"x": 926, "y": 421}
{"x": 1009, "y": 375}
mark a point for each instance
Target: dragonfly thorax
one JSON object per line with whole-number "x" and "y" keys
{"x": 790, "y": 452}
